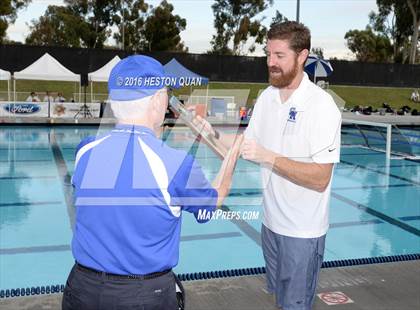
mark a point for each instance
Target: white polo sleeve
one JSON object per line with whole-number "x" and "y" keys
{"x": 325, "y": 133}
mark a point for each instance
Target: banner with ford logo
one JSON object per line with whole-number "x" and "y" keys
{"x": 24, "y": 109}
{"x": 57, "y": 109}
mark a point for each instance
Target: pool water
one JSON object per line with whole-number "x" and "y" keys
{"x": 374, "y": 211}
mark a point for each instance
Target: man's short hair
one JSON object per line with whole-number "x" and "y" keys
{"x": 297, "y": 34}
{"x": 133, "y": 109}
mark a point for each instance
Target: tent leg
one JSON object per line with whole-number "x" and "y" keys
{"x": 14, "y": 90}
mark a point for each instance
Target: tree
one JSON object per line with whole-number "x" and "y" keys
{"x": 381, "y": 23}
{"x": 414, "y": 6}
{"x": 59, "y": 26}
{"x": 162, "y": 28}
{"x": 130, "y": 23}
{"x": 8, "y": 14}
{"x": 97, "y": 17}
{"x": 400, "y": 21}
{"x": 235, "y": 21}
{"x": 368, "y": 46}
{"x": 319, "y": 51}
{"x": 87, "y": 23}
{"x": 81, "y": 23}
{"x": 279, "y": 18}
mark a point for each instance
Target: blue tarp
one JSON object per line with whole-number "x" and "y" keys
{"x": 174, "y": 68}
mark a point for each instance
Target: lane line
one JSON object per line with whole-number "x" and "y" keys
{"x": 380, "y": 215}
{"x": 380, "y": 172}
{"x": 67, "y": 247}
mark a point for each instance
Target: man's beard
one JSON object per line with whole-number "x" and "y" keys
{"x": 285, "y": 79}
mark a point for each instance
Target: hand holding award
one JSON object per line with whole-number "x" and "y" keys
{"x": 198, "y": 127}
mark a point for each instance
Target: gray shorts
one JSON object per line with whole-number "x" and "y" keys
{"x": 292, "y": 266}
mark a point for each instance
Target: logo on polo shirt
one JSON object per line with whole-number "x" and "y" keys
{"x": 292, "y": 115}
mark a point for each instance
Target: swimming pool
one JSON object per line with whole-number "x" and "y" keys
{"x": 375, "y": 209}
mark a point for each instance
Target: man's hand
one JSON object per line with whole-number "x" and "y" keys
{"x": 227, "y": 140}
{"x": 203, "y": 124}
{"x": 252, "y": 151}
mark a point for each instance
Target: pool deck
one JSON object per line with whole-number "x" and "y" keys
{"x": 402, "y": 120}
{"x": 389, "y": 286}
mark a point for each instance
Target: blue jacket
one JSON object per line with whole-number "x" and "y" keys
{"x": 130, "y": 189}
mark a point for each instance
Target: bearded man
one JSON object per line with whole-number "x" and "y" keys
{"x": 294, "y": 134}
{"x": 297, "y": 126}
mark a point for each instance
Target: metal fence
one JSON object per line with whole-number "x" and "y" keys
{"x": 215, "y": 67}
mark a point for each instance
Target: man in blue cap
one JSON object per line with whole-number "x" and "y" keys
{"x": 130, "y": 189}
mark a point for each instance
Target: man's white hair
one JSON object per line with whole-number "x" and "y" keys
{"x": 132, "y": 109}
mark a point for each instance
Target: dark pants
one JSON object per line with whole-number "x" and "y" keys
{"x": 89, "y": 291}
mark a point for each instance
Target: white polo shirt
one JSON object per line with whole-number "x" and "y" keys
{"x": 305, "y": 128}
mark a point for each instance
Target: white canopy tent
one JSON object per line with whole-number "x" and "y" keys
{"x": 46, "y": 68}
{"x": 102, "y": 74}
{"x": 5, "y": 76}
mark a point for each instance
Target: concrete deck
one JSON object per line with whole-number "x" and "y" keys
{"x": 100, "y": 121}
{"x": 402, "y": 120}
{"x": 390, "y": 286}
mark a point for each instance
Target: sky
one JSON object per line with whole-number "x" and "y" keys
{"x": 328, "y": 21}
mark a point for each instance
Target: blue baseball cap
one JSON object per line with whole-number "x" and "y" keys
{"x": 136, "y": 77}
